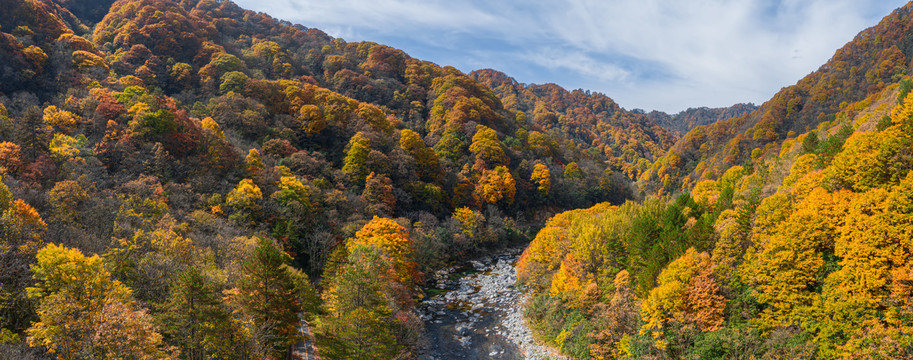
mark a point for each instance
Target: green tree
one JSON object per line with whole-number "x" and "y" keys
{"x": 358, "y": 304}
{"x": 273, "y": 295}
{"x": 450, "y": 147}
{"x": 233, "y": 81}
{"x": 198, "y": 322}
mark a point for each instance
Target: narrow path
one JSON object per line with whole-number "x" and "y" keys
{"x": 306, "y": 348}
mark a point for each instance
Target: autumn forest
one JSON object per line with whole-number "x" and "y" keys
{"x": 187, "y": 179}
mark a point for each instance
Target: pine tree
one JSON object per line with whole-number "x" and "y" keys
{"x": 273, "y": 294}
{"x": 198, "y": 322}
{"x": 357, "y": 300}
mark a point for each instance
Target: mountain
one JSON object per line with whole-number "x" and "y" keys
{"x": 163, "y": 161}
{"x": 190, "y": 179}
{"x": 694, "y": 117}
{"x": 874, "y": 59}
{"x": 781, "y": 233}
{"x": 629, "y": 140}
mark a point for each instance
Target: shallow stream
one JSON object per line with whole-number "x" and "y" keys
{"x": 477, "y": 313}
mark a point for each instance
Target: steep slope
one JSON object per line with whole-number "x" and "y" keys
{"x": 28, "y": 31}
{"x": 628, "y": 139}
{"x": 788, "y": 236}
{"x": 806, "y": 253}
{"x": 193, "y": 149}
{"x": 875, "y": 58}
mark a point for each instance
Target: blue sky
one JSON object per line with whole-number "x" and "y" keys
{"x": 651, "y": 54}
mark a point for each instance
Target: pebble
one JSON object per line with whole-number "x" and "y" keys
{"x": 489, "y": 290}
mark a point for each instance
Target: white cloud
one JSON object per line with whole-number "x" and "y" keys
{"x": 652, "y": 54}
{"x": 378, "y": 15}
{"x": 580, "y": 63}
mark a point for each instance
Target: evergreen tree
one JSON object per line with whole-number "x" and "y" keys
{"x": 197, "y": 321}
{"x": 273, "y": 294}
{"x": 360, "y": 315}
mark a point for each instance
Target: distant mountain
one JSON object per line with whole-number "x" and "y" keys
{"x": 694, "y": 117}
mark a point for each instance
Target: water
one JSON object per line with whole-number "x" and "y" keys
{"x": 479, "y": 314}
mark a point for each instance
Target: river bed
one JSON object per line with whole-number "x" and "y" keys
{"x": 478, "y": 314}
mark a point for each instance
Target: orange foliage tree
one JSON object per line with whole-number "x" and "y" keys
{"x": 394, "y": 241}
{"x": 496, "y": 185}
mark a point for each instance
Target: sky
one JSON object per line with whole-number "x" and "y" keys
{"x": 665, "y": 55}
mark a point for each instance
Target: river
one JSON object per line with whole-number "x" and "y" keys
{"x": 478, "y": 314}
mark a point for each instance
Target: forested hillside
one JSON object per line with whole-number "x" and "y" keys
{"x": 694, "y": 117}
{"x": 186, "y": 179}
{"x": 176, "y": 175}
{"x": 875, "y": 58}
{"x": 801, "y": 249}
{"x": 628, "y": 140}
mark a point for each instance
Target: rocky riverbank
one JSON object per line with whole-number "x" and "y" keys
{"x": 479, "y": 314}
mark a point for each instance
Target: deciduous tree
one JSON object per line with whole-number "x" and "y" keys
{"x": 496, "y": 185}
{"x": 83, "y": 312}
{"x": 542, "y": 178}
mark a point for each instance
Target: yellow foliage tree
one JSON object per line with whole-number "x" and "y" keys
{"x": 496, "y": 185}
{"x": 569, "y": 281}
{"x": 685, "y": 293}
{"x": 354, "y": 164}
{"x": 84, "y": 312}
{"x": 209, "y": 124}
{"x": 784, "y": 266}
{"x": 471, "y": 222}
{"x": 871, "y": 159}
{"x": 254, "y": 164}
{"x": 542, "y": 178}
{"x": 706, "y": 193}
{"x": 61, "y": 119}
{"x": 873, "y": 242}
{"x": 245, "y": 195}
{"x": 311, "y": 119}
{"x": 542, "y": 257}
{"x": 486, "y": 146}
{"x": 22, "y": 224}
{"x": 291, "y": 189}
{"x": 394, "y": 241}
{"x": 63, "y": 146}
{"x": 802, "y": 166}
{"x": 426, "y": 159}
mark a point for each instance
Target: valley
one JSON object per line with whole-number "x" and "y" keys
{"x": 188, "y": 179}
